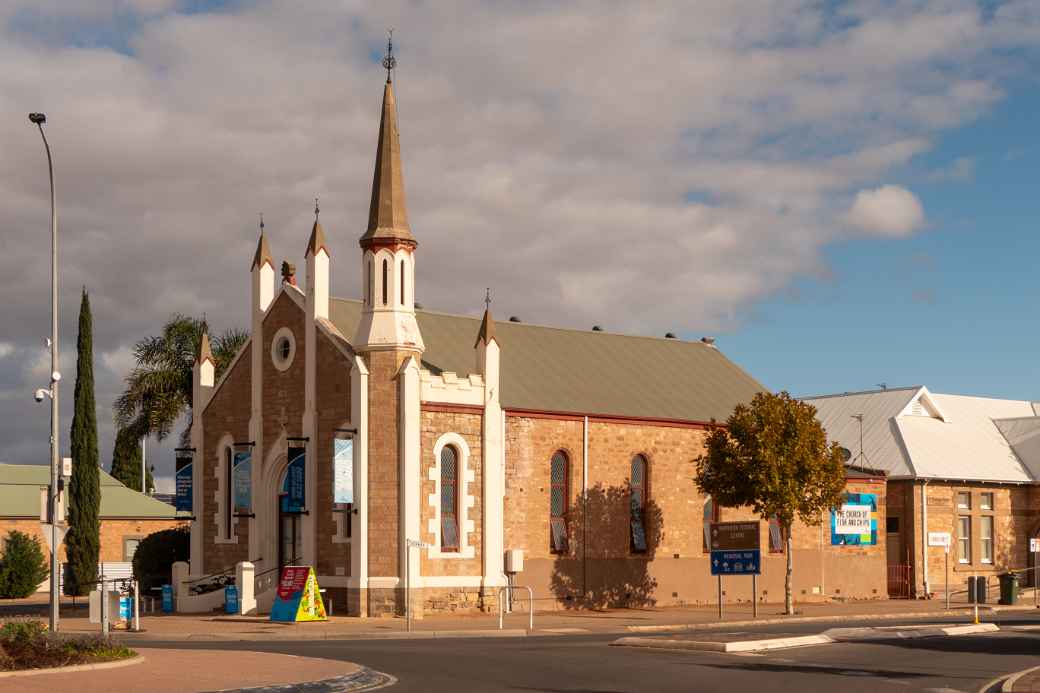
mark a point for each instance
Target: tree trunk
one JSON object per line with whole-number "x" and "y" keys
{"x": 788, "y": 597}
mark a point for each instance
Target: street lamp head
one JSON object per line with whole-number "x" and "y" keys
{"x": 55, "y": 376}
{"x": 37, "y": 118}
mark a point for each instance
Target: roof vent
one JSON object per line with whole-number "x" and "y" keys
{"x": 513, "y": 318}
{"x": 708, "y": 341}
{"x": 669, "y": 335}
{"x": 597, "y": 328}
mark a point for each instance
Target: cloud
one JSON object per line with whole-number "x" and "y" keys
{"x": 6, "y": 349}
{"x": 555, "y": 153}
{"x": 960, "y": 170}
{"x": 890, "y": 210}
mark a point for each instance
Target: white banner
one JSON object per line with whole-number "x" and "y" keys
{"x": 852, "y": 519}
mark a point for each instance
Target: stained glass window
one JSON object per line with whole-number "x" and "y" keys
{"x": 559, "y": 478}
{"x": 637, "y": 501}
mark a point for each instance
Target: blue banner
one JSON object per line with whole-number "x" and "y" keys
{"x": 231, "y": 599}
{"x": 294, "y": 487}
{"x": 184, "y": 481}
{"x": 167, "y": 599}
{"x": 242, "y": 481}
{"x": 343, "y": 470}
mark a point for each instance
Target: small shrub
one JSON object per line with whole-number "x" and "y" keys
{"x": 22, "y": 566}
{"x": 156, "y": 555}
{"x": 27, "y": 644}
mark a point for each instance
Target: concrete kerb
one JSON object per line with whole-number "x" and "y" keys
{"x": 722, "y": 625}
{"x": 826, "y": 638}
{"x": 136, "y": 659}
{"x": 321, "y": 635}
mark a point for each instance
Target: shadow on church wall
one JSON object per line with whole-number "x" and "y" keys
{"x": 610, "y": 574}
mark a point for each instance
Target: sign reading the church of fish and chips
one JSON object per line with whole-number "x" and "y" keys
{"x": 735, "y": 548}
{"x": 854, "y": 523}
{"x": 183, "y": 479}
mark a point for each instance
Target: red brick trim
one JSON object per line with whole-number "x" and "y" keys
{"x": 452, "y": 408}
{"x": 609, "y": 418}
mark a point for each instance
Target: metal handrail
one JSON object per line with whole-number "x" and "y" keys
{"x": 226, "y": 571}
{"x": 501, "y": 604}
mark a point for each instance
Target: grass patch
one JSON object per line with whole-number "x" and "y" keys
{"x": 27, "y": 644}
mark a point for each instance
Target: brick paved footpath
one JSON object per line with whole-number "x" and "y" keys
{"x": 182, "y": 671}
{"x": 218, "y": 627}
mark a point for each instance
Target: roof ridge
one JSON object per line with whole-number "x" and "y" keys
{"x": 866, "y": 392}
{"x": 575, "y": 330}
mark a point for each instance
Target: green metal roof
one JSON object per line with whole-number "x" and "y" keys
{"x": 20, "y": 495}
{"x": 584, "y": 372}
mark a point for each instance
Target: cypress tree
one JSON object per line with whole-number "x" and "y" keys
{"x": 126, "y": 460}
{"x": 82, "y": 543}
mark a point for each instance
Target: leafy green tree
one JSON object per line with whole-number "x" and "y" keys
{"x": 22, "y": 566}
{"x": 159, "y": 389}
{"x": 156, "y": 554}
{"x": 83, "y": 541}
{"x": 126, "y": 461}
{"x": 773, "y": 455}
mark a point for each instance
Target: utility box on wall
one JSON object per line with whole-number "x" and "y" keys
{"x": 515, "y": 561}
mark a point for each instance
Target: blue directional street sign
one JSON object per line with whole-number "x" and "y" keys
{"x": 736, "y": 562}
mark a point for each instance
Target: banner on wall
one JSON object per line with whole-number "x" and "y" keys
{"x": 242, "y": 480}
{"x": 343, "y": 471}
{"x": 294, "y": 488}
{"x": 855, "y": 522}
{"x": 298, "y": 597}
{"x": 184, "y": 479}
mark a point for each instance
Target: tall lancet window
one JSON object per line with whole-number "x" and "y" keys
{"x": 368, "y": 283}
{"x": 386, "y": 272}
{"x": 449, "y": 499}
{"x": 402, "y": 282}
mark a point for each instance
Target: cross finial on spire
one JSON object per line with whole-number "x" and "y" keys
{"x": 487, "y": 299}
{"x": 261, "y": 222}
{"x": 316, "y": 209}
{"x": 389, "y": 62}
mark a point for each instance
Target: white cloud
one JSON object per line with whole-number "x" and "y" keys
{"x": 643, "y": 166}
{"x": 6, "y": 349}
{"x": 890, "y": 210}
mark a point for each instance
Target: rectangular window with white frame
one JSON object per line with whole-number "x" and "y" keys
{"x": 986, "y": 538}
{"x": 964, "y": 539}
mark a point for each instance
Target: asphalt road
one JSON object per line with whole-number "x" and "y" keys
{"x": 587, "y": 664}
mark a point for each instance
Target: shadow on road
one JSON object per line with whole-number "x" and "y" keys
{"x": 779, "y": 668}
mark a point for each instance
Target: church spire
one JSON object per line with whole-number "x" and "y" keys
{"x": 387, "y": 214}
{"x": 263, "y": 253}
{"x": 317, "y": 240}
{"x": 487, "y": 325}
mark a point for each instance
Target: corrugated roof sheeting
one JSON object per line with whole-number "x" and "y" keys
{"x": 1023, "y": 434}
{"x": 553, "y": 369}
{"x": 881, "y": 445}
{"x": 969, "y": 446}
{"x": 20, "y": 495}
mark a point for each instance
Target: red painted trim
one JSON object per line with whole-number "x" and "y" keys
{"x": 610, "y": 418}
{"x": 452, "y": 408}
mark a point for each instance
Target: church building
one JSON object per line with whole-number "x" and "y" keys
{"x": 386, "y": 445}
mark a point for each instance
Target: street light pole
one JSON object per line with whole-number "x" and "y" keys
{"x": 39, "y": 119}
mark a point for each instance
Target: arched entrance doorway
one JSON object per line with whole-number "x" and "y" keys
{"x": 290, "y": 524}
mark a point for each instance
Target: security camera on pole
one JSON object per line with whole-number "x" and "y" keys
{"x": 38, "y": 119}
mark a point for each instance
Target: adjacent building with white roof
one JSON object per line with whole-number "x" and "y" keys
{"x": 959, "y": 465}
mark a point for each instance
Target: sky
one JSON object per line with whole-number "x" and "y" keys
{"x": 842, "y": 193}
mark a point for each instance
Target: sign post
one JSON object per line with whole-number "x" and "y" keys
{"x": 736, "y": 550}
{"x": 410, "y": 544}
{"x": 943, "y": 539}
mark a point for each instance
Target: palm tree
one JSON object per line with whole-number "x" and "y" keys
{"x": 159, "y": 389}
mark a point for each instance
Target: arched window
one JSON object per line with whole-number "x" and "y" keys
{"x": 559, "y": 492}
{"x": 449, "y": 499}
{"x": 386, "y": 272}
{"x": 402, "y": 282}
{"x": 368, "y": 283}
{"x": 637, "y": 502}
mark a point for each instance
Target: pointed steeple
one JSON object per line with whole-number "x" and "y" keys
{"x": 487, "y": 325}
{"x": 317, "y": 240}
{"x": 387, "y": 214}
{"x": 205, "y": 353}
{"x": 263, "y": 253}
